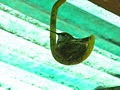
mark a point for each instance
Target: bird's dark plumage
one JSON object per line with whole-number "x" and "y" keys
{"x": 70, "y": 50}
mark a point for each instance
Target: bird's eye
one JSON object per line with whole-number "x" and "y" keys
{"x": 65, "y": 34}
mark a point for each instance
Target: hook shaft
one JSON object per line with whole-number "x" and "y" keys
{"x": 53, "y": 25}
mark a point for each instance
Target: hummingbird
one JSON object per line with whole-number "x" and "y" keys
{"x": 71, "y": 51}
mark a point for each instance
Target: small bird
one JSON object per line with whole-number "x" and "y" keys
{"x": 71, "y": 51}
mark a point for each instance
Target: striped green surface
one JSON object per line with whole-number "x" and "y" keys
{"x": 24, "y": 43}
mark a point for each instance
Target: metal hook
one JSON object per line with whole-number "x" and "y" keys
{"x": 68, "y": 50}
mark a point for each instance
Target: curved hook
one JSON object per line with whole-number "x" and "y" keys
{"x": 56, "y": 50}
